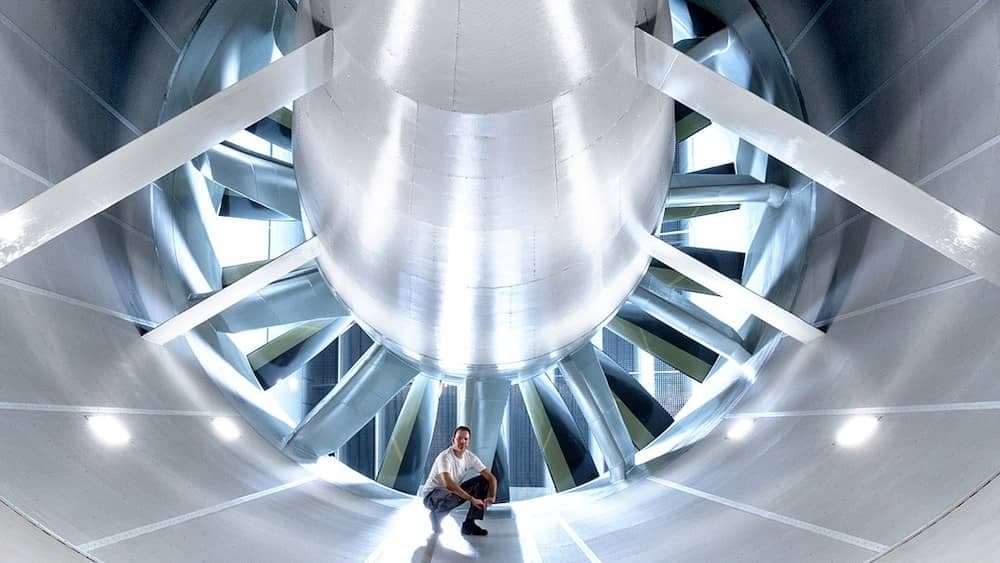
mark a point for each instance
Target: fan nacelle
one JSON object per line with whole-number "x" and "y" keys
{"x": 481, "y": 177}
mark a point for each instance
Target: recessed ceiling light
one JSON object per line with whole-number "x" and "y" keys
{"x": 226, "y": 429}
{"x": 109, "y": 430}
{"x": 857, "y": 431}
{"x": 740, "y": 429}
{"x": 293, "y": 383}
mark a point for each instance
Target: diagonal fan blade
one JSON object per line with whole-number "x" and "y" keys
{"x": 135, "y": 165}
{"x": 692, "y": 327}
{"x": 666, "y": 344}
{"x": 565, "y": 452}
{"x": 734, "y": 292}
{"x": 403, "y": 462}
{"x": 836, "y": 167}
{"x": 292, "y": 299}
{"x": 371, "y": 383}
{"x": 291, "y": 351}
{"x": 485, "y": 403}
{"x": 590, "y": 389}
{"x": 246, "y": 286}
{"x": 645, "y": 417}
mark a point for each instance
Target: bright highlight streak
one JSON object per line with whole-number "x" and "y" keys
{"x": 857, "y": 431}
{"x": 109, "y": 430}
{"x": 226, "y": 429}
{"x": 740, "y": 429}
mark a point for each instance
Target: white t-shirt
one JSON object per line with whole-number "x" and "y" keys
{"x": 457, "y": 467}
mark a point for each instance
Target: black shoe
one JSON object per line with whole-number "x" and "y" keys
{"x": 469, "y": 528}
{"x": 435, "y": 522}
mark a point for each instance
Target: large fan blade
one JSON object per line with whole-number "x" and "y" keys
{"x": 485, "y": 403}
{"x": 590, "y": 388}
{"x": 371, "y": 383}
{"x": 288, "y": 353}
{"x": 260, "y": 181}
{"x": 836, "y": 167}
{"x": 135, "y": 165}
{"x": 667, "y": 344}
{"x": 687, "y": 324}
{"x": 564, "y": 450}
{"x": 737, "y": 294}
{"x": 645, "y": 417}
{"x": 246, "y": 286}
{"x": 292, "y": 299}
{"x": 403, "y": 461}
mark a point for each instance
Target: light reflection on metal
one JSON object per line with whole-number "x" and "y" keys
{"x": 831, "y": 164}
{"x": 233, "y": 294}
{"x": 596, "y": 419}
{"x": 485, "y": 402}
{"x": 738, "y": 295}
{"x": 371, "y": 383}
{"x": 771, "y": 194}
{"x": 443, "y": 189}
{"x": 692, "y": 327}
{"x": 135, "y": 165}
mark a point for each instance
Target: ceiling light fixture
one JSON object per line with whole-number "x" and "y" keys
{"x": 226, "y": 429}
{"x": 857, "y": 431}
{"x": 109, "y": 430}
{"x": 740, "y": 429}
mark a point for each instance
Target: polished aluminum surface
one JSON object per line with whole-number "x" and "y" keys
{"x": 691, "y": 326}
{"x": 485, "y": 405}
{"x": 835, "y": 166}
{"x": 135, "y": 165}
{"x": 233, "y": 294}
{"x": 771, "y": 194}
{"x": 481, "y": 175}
{"x": 587, "y": 365}
{"x": 739, "y": 295}
{"x": 615, "y": 459}
{"x": 375, "y": 379}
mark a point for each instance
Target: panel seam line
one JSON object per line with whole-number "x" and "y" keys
{"x": 774, "y": 517}
{"x": 28, "y": 288}
{"x": 158, "y": 27}
{"x": 877, "y": 410}
{"x": 73, "y": 77}
{"x": 89, "y": 409}
{"x": 170, "y": 522}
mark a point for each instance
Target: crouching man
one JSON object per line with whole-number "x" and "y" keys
{"x": 442, "y": 492}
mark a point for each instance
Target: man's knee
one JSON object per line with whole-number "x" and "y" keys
{"x": 478, "y": 483}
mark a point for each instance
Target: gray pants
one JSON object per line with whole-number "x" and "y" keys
{"x": 443, "y": 501}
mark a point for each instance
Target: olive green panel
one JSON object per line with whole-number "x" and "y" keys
{"x": 687, "y": 364}
{"x": 689, "y": 125}
{"x": 288, "y": 340}
{"x": 676, "y": 280}
{"x": 681, "y": 213}
{"x": 640, "y": 435}
{"x": 558, "y": 467}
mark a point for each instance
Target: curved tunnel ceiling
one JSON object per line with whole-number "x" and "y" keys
{"x": 908, "y": 340}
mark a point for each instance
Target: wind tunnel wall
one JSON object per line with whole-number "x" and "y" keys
{"x": 911, "y": 84}
{"x": 911, "y": 336}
